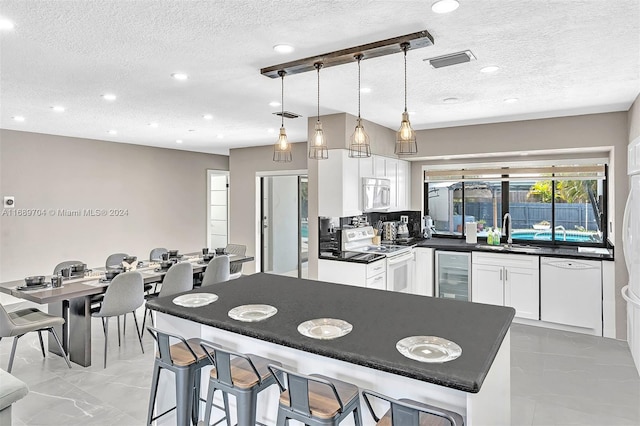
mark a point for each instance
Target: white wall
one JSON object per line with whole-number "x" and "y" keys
{"x": 163, "y": 192}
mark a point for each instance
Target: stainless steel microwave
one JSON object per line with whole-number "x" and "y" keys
{"x": 376, "y": 194}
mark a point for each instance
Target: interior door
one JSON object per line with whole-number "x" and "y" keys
{"x": 284, "y": 225}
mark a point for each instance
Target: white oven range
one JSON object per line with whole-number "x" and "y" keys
{"x": 400, "y": 259}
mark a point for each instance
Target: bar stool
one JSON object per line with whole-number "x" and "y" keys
{"x": 184, "y": 359}
{"x": 315, "y": 400}
{"x": 241, "y": 375}
{"x": 405, "y": 412}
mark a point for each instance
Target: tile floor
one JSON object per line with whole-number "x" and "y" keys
{"x": 558, "y": 378}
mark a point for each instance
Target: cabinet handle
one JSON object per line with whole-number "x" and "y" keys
{"x": 506, "y": 276}
{"x": 500, "y": 274}
{"x": 378, "y": 279}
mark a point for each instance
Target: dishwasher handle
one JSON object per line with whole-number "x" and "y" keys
{"x": 567, "y": 264}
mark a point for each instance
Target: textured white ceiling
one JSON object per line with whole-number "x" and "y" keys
{"x": 559, "y": 57}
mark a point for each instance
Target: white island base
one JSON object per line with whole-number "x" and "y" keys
{"x": 489, "y": 407}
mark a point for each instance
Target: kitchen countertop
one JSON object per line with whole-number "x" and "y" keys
{"x": 459, "y": 244}
{"x": 379, "y": 318}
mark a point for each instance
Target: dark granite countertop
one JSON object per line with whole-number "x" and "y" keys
{"x": 379, "y": 318}
{"x": 457, "y": 244}
{"x": 350, "y": 256}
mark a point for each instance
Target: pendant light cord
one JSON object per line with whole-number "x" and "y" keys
{"x": 359, "y": 57}
{"x": 318, "y": 66}
{"x": 405, "y": 77}
{"x": 282, "y": 99}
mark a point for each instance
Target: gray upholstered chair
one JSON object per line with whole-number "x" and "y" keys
{"x": 125, "y": 294}
{"x": 235, "y": 270}
{"x": 63, "y": 265}
{"x": 11, "y": 390}
{"x": 217, "y": 271}
{"x": 18, "y": 323}
{"x": 405, "y": 412}
{"x": 156, "y": 253}
{"x": 178, "y": 278}
{"x": 115, "y": 260}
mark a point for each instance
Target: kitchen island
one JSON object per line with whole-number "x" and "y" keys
{"x": 476, "y": 385}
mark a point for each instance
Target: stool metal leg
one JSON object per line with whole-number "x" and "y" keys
{"x": 246, "y": 402}
{"x": 357, "y": 418}
{"x": 183, "y": 396}
{"x": 225, "y": 399}
{"x": 282, "y": 419}
{"x": 41, "y": 343}
{"x": 154, "y": 391}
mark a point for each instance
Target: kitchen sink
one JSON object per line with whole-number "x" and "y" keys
{"x": 516, "y": 248}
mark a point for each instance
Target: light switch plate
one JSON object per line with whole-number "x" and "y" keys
{"x": 9, "y": 201}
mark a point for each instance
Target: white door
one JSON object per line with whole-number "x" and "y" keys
{"x": 217, "y": 208}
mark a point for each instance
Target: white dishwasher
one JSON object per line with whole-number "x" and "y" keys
{"x": 571, "y": 293}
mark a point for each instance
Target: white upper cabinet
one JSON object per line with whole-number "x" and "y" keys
{"x": 338, "y": 185}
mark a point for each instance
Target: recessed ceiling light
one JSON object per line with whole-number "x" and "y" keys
{"x": 271, "y": 130}
{"x": 365, "y": 90}
{"x": 6, "y": 25}
{"x": 191, "y": 130}
{"x": 445, "y": 6}
{"x": 18, "y": 118}
{"x": 178, "y": 140}
{"x": 220, "y": 136}
{"x": 180, "y": 76}
{"x": 490, "y": 68}
{"x": 274, "y": 103}
{"x": 283, "y": 48}
{"x": 109, "y": 97}
{"x": 450, "y": 100}
{"x": 510, "y": 100}
{"x": 58, "y": 108}
{"x": 113, "y": 132}
{"x": 208, "y": 117}
{"x": 153, "y": 124}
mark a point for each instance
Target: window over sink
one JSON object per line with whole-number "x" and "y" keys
{"x": 548, "y": 205}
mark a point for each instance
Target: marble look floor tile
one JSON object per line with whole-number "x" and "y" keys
{"x": 522, "y": 411}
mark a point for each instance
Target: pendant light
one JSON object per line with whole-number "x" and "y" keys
{"x": 405, "y": 137}
{"x": 359, "y": 146}
{"x": 282, "y": 148}
{"x": 318, "y": 145}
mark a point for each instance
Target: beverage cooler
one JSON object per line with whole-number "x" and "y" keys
{"x": 453, "y": 275}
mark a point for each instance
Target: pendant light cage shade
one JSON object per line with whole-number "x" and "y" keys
{"x": 318, "y": 144}
{"x": 282, "y": 147}
{"x": 405, "y": 136}
{"x": 359, "y": 146}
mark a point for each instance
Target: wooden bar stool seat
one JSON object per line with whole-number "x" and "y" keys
{"x": 243, "y": 375}
{"x": 315, "y": 400}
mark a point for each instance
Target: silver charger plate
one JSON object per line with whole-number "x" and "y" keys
{"x": 252, "y": 313}
{"x": 325, "y": 328}
{"x": 25, "y": 287}
{"x": 429, "y": 349}
{"x": 195, "y": 300}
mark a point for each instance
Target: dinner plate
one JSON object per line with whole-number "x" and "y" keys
{"x": 252, "y": 313}
{"x": 195, "y": 300}
{"x": 431, "y": 349}
{"x": 33, "y": 287}
{"x": 325, "y": 328}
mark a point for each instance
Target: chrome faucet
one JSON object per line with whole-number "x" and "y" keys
{"x": 507, "y": 231}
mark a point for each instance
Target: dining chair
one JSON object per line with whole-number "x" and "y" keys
{"x": 217, "y": 271}
{"x": 156, "y": 253}
{"x": 114, "y": 261}
{"x": 235, "y": 270}
{"x": 178, "y": 278}
{"x": 124, "y": 294}
{"x": 18, "y": 323}
{"x": 63, "y": 265}
{"x": 405, "y": 412}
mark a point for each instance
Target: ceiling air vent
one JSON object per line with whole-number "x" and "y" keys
{"x": 451, "y": 59}
{"x": 287, "y": 114}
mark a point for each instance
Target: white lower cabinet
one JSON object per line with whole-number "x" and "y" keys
{"x": 507, "y": 280}
{"x": 370, "y": 275}
{"x": 423, "y": 283}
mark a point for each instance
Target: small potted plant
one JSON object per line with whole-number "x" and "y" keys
{"x": 481, "y": 224}
{"x": 542, "y": 225}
